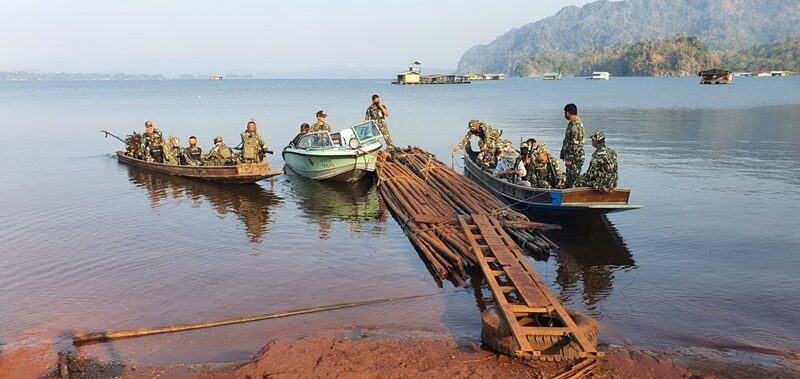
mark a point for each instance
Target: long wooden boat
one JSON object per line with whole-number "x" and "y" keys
{"x": 554, "y": 202}
{"x": 345, "y": 156}
{"x": 238, "y": 174}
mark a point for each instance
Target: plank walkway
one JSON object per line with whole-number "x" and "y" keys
{"x": 517, "y": 288}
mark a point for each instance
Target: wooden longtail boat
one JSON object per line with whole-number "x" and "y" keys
{"x": 554, "y": 202}
{"x": 238, "y": 174}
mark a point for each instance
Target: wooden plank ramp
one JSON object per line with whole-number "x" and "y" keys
{"x": 519, "y": 291}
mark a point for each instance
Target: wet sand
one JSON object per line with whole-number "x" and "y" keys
{"x": 374, "y": 353}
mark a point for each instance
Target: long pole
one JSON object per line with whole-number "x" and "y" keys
{"x": 107, "y": 133}
{"x": 82, "y": 338}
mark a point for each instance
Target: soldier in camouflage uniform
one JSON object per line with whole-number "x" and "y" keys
{"x": 377, "y": 112}
{"x": 192, "y": 155}
{"x": 253, "y": 146}
{"x": 489, "y": 140}
{"x": 133, "y": 145}
{"x": 545, "y": 169}
{"x": 150, "y": 132}
{"x": 172, "y": 151}
{"x": 572, "y": 149}
{"x": 220, "y": 154}
{"x": 321, "y": 124}
{"x": 154, "y": 152}
{"x": 602, "y": 172}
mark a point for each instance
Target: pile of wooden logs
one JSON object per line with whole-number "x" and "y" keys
{"x": 426, "y": 196}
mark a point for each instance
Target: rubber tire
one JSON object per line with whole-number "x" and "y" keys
{"x": 496, "y": 335}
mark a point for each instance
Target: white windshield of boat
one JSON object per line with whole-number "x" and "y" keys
{"x": 366, "y": 131}
{"x": 318, "y": 139}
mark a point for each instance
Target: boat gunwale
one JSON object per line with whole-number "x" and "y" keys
{"x": 222, "y": 174}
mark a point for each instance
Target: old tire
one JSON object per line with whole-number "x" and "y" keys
{"x": 496, "y": 335}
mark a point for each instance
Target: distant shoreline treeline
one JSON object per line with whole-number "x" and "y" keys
{"x": 681, "y": 55}
{"x": 28, "y": 75}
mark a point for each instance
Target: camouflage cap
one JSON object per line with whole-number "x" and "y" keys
{"x": 148, "y": 123}
{"x": 599, "y": 136}
{"x": 473, "y": 122}
{"x": 541, "y": 147}
{"x": 217, "y": 139}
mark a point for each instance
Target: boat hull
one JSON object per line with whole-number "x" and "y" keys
{"x": 341, "y": 166}
{"x": 553, "y": 202}
{"x": 239, "y": 174}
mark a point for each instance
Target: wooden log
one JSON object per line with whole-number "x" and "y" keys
{"x": 82, "y": 338}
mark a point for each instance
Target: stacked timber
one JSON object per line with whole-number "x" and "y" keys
{"x": 426, "y": 197}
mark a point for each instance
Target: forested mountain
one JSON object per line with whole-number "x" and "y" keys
{"x": 724, "y": 25}
{"x": 782, "y": 55}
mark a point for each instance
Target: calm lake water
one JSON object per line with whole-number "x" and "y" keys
{"x": 710, "y": 264}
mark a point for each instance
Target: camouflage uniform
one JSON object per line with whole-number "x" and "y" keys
{"x": 220, "y": 154}
{"x": 193, "y": 157}
{"x": 154, "y": 152}
{"x": 320, "y": 127}
{"x": 172, "y": 151}
{"x": 602, "y": 172}
{"x": 572, "y": 150}
{"x": 253, "y": 147}
{"x": 147, "y": 138}
{"x": 488, "y": 135}
{"x": 375, "y": 113}
{"x": 133, "y": 145}
{"x": 544, "y": 174}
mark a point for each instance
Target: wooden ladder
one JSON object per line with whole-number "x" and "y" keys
{"x": 516, "y": 287}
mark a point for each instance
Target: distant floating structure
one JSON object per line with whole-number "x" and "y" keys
{"x": 413, "y": 76}
{"x": 716, "y": 76}
{"x": 215, "y": 77}
{"x": 551, "y": 76}
{"x": 478, "y": 77}
{"x": 600, "y": 75}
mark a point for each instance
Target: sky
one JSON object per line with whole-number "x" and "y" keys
{"x": 251, "y": 37}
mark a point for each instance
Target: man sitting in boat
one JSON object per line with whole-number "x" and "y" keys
{"x": 511, "y": 167}
{"x": 133, "y": 146}
{"x": 220, "y": 154}
{"x": 192, "y": 155}
{"x": 544, "y": 168}
{"x": 303, "y": 131}
{"x": 154, "y": 152}
{"x": 602, "y": 172}
{"x": 172, "y": 150}
{"x": 322, "y": 124}
{"x": 253, "y": 146}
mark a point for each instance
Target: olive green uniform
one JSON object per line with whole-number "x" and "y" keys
{"x": 253, "y": 147}
{"x": 375, "y": 113}
{"x": 572, "y": 150}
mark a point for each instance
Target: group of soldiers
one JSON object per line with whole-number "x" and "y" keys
{"x": 151, "y": 146}
{"x": 376, "y": 112}
{"x": 534, "y": 166}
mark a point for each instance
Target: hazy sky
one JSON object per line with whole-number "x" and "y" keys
{"x": 203, "y": 36}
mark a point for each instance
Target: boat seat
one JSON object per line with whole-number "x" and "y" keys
{"x": 336, "y": 138}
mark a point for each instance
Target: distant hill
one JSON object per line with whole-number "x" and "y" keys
{"x": 782, "y": 55}
{"x": 724, "y": 25}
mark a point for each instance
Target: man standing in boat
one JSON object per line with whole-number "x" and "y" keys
{"x": 150, "y": 132}
{"x": 572, "y": 149}
{"x": 192, "y": 155}
{"x": 602, "y": 173}
{"x": 322, "y": 124}
{"x": 377, "y": 112}
{"x": 253, "y": 146}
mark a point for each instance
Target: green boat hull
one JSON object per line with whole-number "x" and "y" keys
{"x": 337, "y": 164}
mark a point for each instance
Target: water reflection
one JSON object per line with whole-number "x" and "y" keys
{"x": 592, "y": 250}
{"x": 252, "y": 204}
{"x": 356, "y": 204}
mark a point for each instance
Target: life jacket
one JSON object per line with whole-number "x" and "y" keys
{"x": 157, "y": 153}
{"x": 250, "y": 146}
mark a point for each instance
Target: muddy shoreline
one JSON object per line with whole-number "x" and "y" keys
{"x": 373, "y": 353}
